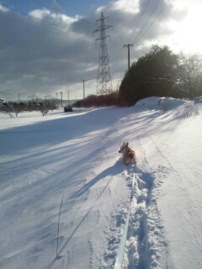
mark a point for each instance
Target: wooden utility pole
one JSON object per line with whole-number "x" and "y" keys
{"x": 83, "y": 89}
{"x": 128, "y": 46}
{"x": 61, "y": 98}
{"x": 68, "y": 98}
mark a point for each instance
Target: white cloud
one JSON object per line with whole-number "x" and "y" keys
{"x": 48, "y": 52}
{"x": 45, "y": 16}
{"x": 3, "y": 9}
{"x": 126, "y": 5}
{"x": 39, "y": 14}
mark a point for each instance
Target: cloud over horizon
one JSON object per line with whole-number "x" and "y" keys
{"x": 44, "y": 52}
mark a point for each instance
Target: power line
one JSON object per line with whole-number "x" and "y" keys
{"x": 26, "y": 21}
{"x": 154, "y": 7}
{"x": 141, "y": 15}
{"x": 150, "y": 25}
{"x": 138, "y": 25}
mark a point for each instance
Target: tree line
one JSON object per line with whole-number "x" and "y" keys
{"x": 14, "y": 108}
{"x": 161, "y": 73}
{"x": 158, "y": 73}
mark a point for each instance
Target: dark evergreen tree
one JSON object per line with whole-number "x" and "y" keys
{"x": 155, "y": 74}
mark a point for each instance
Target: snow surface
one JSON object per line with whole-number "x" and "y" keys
{"x": 65, "y": 192}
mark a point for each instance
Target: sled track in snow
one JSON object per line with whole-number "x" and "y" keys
{"x": 142, "y": 244}
{"x": 135, "y": 230}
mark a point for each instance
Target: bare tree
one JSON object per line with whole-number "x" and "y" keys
{"x": 13, "y": 108}
{"x": 191, "y": 75}
{"x": 46, "y": 105}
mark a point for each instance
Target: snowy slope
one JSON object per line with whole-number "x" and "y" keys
{"x": 65, "y": 193}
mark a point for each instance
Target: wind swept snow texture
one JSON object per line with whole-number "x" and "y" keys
{"x": 65, "y": 194}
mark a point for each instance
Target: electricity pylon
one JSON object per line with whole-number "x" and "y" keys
{"x": 104, "y": 84}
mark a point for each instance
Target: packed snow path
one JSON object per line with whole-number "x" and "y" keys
{"x": 64, "y": 170}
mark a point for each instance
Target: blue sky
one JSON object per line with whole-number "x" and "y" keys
{"x": 48, "y": 46}
{"x": 69, "y": 7}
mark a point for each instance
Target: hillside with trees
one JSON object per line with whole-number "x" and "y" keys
{"x": 161, "y": 73}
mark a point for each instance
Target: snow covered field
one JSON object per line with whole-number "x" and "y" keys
{"x": 65, "y": 194}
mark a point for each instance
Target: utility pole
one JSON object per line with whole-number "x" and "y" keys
{"x": 128, "y": 46}
{"x": 68, "y": 99}
{"x": 61, "y": 97}
{"x": 83, "y": 89}
{"x": 104, "y": 84}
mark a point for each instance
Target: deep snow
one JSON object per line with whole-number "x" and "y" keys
{"x": 65, "y": 192}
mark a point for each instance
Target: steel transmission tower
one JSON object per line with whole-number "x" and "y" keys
{"x": 104, "y": 84}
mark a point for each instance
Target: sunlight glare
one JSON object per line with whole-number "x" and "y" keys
{"x": 187, "y": 33}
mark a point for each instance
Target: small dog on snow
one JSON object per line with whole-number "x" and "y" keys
{"x": 128, "y": 154}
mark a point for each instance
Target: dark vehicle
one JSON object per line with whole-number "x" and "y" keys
{"x": 68, "y": 109}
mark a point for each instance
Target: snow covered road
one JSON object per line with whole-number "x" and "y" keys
{"x": 64, "y": 171}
